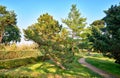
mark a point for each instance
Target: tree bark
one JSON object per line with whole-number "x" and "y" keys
{"x": 73, "y": 44}
{"x": 56, "y": 62}
{"x": 43, "y": 58}
{"x": 1, "y": 37}
{"x": 1, "y": 33}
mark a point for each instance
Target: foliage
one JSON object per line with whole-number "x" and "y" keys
{"x": 76, "y": 23}
{"x": 11, "y": 34}
{"x": 17, "y": 54}
{"x": 20, "y": 47}
{"x": 7, "y": 18}
{"x": 85, "y": 44}
{"x": 98, "y": 24}
{"x": 107, "y": 38}
{"x": 44, "y": 31}
{"x": 52, "y": 39}
{"x": 96, "y": 36}
{"x": 17, "y": 51}
{"x": 112, "y": 20}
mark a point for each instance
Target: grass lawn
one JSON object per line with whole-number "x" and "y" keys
{"x": 49, "y": 70}
{"x": 106, "y": 64}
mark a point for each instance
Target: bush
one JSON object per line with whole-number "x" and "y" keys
{"x": 18, "y": 62}
{"x": 14, "y": 76}
{"x": 17, "y": 54}
{"x": 19, "y": 47}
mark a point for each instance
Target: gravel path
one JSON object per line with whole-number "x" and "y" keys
{"x": 99, "y": 71}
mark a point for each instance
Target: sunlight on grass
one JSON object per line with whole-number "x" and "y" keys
{"x": 33, "y": 67}
{"x": 107, "y": 59}
{"x": 105, "y": 64}
{"x": 84, "y": 74}
{"x": 47, "y": 70}
{"x": 52, "y": 70}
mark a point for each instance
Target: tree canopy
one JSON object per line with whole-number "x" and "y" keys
{"x": 112, "y": 20}
{"x": 7, "y": 18}
{"x": 76, "y": 24}
{"x": 95, "y": 37}
{"x": 75, "y": 21}
{"x": 51, "y": 38}
{"x": 45, "y": 30}
{"x": 106, "y": 34}
{"x": 11, "y": 34}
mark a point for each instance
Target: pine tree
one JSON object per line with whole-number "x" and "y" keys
{"x": 112, "y": 20}
{"x": 76, "y": 23}
{"x": 51, "y": 38}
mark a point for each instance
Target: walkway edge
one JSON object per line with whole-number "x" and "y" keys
{"x": 93, "y": 68}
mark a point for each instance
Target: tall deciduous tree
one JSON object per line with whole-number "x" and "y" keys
{"x": 7, "y": 18}
{"x": 11, "y": 34}
{"x": 75, "y": 22}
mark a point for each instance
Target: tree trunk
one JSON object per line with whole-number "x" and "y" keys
{"x": 44, "y": 57}
{"x": 73, "y": 44}
{"x": 89, "y": 52}
{"x": 73, "y": 49}
{"x": 1, "y": 37}
{"x": 56, "y": 62}
{"x": 1, "y": 33}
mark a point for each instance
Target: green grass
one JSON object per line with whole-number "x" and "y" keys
{"x": 47, "y": 69}
{"x": 105, "y": 64}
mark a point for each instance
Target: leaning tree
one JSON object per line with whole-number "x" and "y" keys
{"x": 51, "y": 38}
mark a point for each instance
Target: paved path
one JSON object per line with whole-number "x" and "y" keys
{"x": 99, "y": 71}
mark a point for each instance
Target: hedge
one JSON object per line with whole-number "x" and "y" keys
{"x": 17, "y": 54}
{"x": 12, "y": 63}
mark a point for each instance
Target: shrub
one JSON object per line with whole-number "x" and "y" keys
{"x": 18, "y": 62}
{"x": 17, "y": 54}
{"x": 19, "y": 47}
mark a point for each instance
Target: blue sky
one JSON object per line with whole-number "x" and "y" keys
{"x": 29, "y": 10}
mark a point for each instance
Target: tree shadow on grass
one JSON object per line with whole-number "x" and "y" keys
{"x": 48, "y": 67}
{"x": 75, "y": 69}
{"x": 26, "y": 69}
